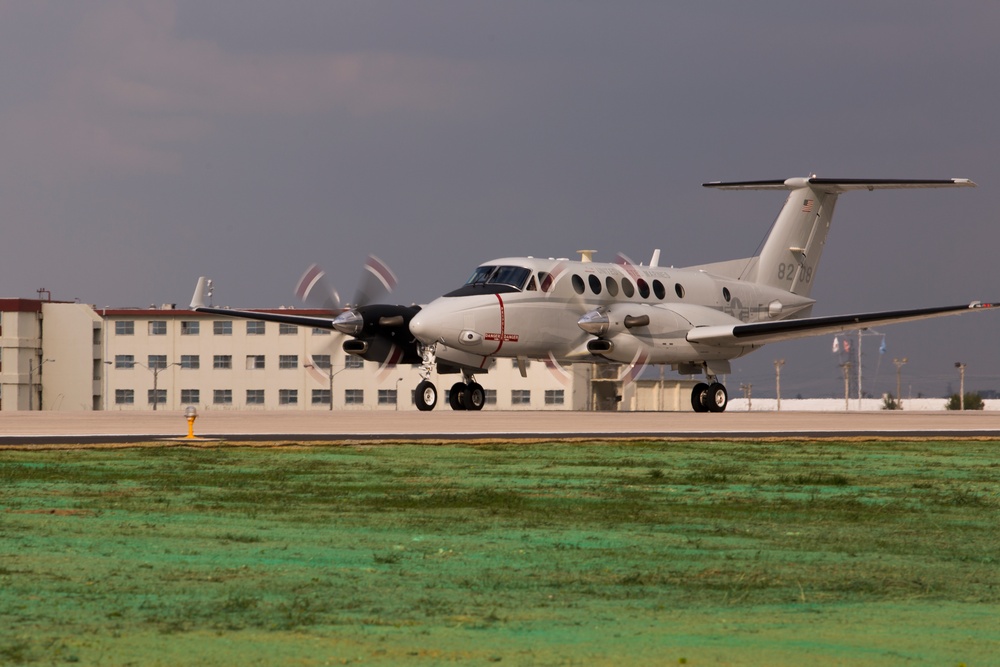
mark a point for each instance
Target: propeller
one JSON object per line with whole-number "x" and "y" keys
{"x": 378, "y": 331}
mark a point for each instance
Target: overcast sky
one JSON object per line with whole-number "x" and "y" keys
{"x": 143, "y": 144}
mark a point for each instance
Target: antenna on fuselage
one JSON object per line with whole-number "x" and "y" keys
{"x": 586, "y": 255}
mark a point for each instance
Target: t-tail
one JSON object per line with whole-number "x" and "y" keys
{"x": 790, "y": 256}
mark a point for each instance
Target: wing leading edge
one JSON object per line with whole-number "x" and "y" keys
{"x": 759, "y": 333}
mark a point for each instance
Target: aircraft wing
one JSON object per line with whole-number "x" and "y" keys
{"x": 198, "y": 305}
{"x": 759, "y": 333}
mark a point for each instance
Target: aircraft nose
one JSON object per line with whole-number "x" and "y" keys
{"x": 420, "y": 328}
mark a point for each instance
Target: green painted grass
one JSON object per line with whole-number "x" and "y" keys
{"x": 649, "y": 553}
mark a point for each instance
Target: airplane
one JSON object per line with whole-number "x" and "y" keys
{"x": 696, "y": 319}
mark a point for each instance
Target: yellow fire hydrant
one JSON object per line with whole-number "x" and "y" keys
{"x": 191, "y": 413}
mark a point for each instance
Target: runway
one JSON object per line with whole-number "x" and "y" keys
{"x": 49, "y": 428}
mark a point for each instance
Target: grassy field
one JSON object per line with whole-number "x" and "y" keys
{"x": 698, "y": 553}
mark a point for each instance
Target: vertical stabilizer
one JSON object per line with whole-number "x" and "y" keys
{"x": 790, "y": 256}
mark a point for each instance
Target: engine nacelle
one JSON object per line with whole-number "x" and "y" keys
{"x": 380, "y": 333}
{"x": 657, "y": 334}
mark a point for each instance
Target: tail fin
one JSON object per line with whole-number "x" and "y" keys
{"x": 791, "y": 253}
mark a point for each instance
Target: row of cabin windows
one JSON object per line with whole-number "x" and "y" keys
{"x": 219, "y": 328}
{"x": 225, "y": 361}
{"x": 611, "y": 285}
{"x": 254, "y": 396}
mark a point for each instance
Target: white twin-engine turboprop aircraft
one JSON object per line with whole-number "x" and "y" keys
{"x": 696, "y": 319}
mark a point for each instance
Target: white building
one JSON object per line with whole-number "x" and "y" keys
{"x": 71, "y": 357}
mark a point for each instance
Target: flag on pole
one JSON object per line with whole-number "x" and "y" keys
{"x": 836, "y": 345}
{"x": 881, "y": 348}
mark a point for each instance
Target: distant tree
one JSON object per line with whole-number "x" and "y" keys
{"x": 972, "y": 402}
{"x": 890, "y": 403}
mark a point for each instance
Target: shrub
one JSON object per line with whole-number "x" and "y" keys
{"x": 972, "y": 402}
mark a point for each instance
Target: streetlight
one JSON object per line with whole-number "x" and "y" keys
{"x": 778, "y": 363}
{"x": 155, "y": 370}
{"x": 961, "y": 384}
{"x": 899, "y": 365}
{"x": 31, "y": 382}
{"x": 328, "y": 371}
{"x": 398, "y": 380}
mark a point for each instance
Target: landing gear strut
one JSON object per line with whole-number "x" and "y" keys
{"x": 709, "y": 397}
{"x": 467, "y": 395}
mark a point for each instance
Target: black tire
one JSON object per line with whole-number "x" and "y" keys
{"x": 474, "y": 397}
{"x": 699, "y": 397}
{"x": 425, "y": 396}
{"x": 717, "y": 397}
{"x": 456, "y": 397}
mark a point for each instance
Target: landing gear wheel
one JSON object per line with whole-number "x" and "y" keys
{"x": 474, "y": 397}
{"x": 426, "y": 396}
{"x": 717, "y": 397}
{"x": 456, "y": 397}
{"x": 699, "y": 397}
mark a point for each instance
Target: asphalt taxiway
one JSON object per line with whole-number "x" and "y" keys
{"x": 48, "y": 428}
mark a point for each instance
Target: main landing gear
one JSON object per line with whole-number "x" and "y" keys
{"x": 709, "y": 397}
{"x": 465, "y": 395}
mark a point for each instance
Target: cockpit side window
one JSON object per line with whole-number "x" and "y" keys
{"x": 531, "y": 287}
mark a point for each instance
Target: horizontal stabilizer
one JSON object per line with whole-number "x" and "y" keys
{"x": 759, "y": 333}
{"x": 838, "y": 185}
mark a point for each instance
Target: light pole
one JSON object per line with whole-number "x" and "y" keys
{"x": 156, "y": 370}
{"x": 748, "y": 391}
{"x": 32, "y": 369}
{"x": 398, "y": 380}
{"x": 330, "y": 374}
{"x": 961, "y": 384}
{"x": 778, "y": 363}
{"x": 899, "y": 398}
{"x": 847, "y": 374}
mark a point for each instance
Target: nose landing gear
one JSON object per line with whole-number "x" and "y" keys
{"x": 465, "y": 395}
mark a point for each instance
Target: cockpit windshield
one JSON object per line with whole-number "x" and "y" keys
{"x": 509, "y": 276}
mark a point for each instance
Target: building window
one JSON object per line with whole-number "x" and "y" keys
{"x": 190, "y": 395}
{"x": 520, "y": 397}
{"x": 222, "y": 361}
{"x": 255, "y": 328}
{"x": 321, "y": 360}
{"x": 288, "y": 397}
{"x": 287, "y": 361}
{"x": 222, "y": 396}
{"x": 157, "y": 328}
{"x": 190, "y": 328}
{"x": 387, "y": 397}
{"x": 255, "y": 362}
{"x": 125, "y": 361}
{"x": 555, "y": 396}
{"x": 156, "y": 361}
{"x": 157, "y": 396}
{"x": 124, "y": 328}
{"x": 255, "y": 397}
{"x": 352, "y": 361}
{"x": 222, "y": 328}
{"x": 491, "y": 397}
{"x": 285, "y": 329}
{"x": 513, "y": 363}
{"x": 321, "y": 397}
{"x": 320, "y": 332}
{"x": 124, "y": 397}
{"x": 354, "y": 396}
{"x": 192, "y": 361}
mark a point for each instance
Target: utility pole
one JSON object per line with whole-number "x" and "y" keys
{"x": 778, "y": 363}
{"x": 748, "y": 391}
{"x": 899, "y": 397}
{"x": 961, "y": 384}
{"x": 847, "y": 385}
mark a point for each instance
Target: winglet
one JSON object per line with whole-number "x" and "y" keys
{"x": 198, "y": 299}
